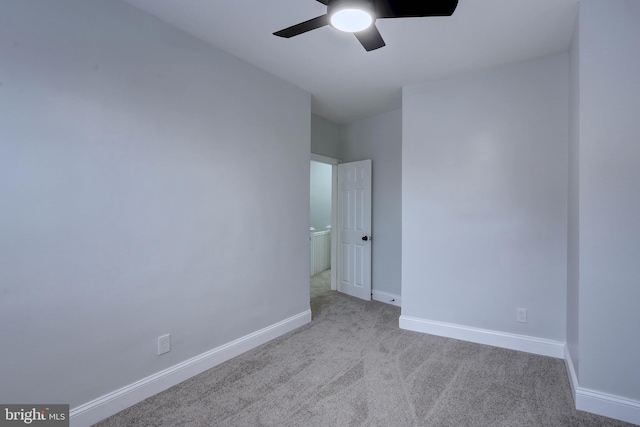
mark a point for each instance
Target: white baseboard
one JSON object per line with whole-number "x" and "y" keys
{"x": 114, "y": 402}
{"x": 524, "y": 343}
{"x": 386, "y": 298}
{"x": 598, "y": 402}
{"x": 571, "y": 372}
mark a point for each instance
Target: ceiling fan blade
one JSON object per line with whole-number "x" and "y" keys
{"x": 413, "y": 8}
{"x": 324, "y": 2}
{"x": 370, "y": 38}
{"x": 303, "y": 27}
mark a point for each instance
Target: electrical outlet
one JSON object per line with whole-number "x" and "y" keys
{"x": 522, "y": 315}
{"x": 164, "y": 344}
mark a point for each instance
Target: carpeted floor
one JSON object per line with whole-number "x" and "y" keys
{"x": 353, "y": 366}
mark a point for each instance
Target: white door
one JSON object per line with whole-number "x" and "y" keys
{"x": 354, "y": 221}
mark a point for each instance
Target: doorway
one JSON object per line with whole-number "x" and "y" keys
{"x": 349, "y": 232}
{"x": 323, "y": 205}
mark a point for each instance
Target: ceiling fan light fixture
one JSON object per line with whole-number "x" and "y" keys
{"x": 351, "y": 20}
{"x": 359, "y": 16}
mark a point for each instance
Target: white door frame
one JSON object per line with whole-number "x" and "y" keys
{"x": 334, "y": 213}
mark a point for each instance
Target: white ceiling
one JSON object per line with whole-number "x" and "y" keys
{"x": 346, "y": 82}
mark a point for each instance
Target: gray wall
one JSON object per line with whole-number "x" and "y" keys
{"x": 325, "y": 137}
{"x": 609, "y": 196}
{"x": 380, "y": 138}
{"x": 573, "y": 220}
{"x": 484, "y": 198}
{"x": 136, "y": 166}
{"x": 320, "y": 201}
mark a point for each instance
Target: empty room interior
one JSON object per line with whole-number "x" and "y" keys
{"x": 155, "y": 203}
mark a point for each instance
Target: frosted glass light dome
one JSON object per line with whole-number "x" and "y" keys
{"x": 351, "y": 20}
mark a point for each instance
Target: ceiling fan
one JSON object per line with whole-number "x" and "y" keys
{"x": 359, "y": 16}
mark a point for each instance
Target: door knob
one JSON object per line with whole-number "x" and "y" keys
{"x": 366, "y": 238}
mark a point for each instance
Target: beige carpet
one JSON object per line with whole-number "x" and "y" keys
{"x": 353, "y": 366}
